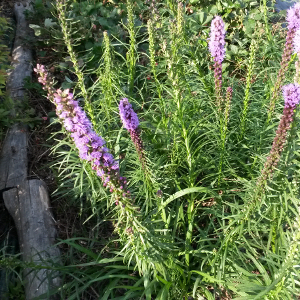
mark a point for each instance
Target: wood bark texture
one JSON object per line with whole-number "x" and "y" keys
{"x": 28, "y": 203}
{"x": 21, "y": 56}
{"x": 13, "y": 157}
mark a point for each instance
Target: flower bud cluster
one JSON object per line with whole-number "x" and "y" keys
{"x": 291, "y": 94}
{"x": 44, "y": 79}
{"x": 91, "y": 146}
{"x": 153, "y": 9}
{"x": 218, "y": 83}
{"x": 138, "y": 143}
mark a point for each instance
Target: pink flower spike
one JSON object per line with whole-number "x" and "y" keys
{"x": 291, "y": 95}
{"x": 297, "y": 41}
{"x": 293, "y": 17}
{"x": 217, "y": 39}
{"x": 128, "y": 116}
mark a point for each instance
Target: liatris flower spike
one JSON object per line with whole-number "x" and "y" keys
{"x": 297, "y": 41}
{"x": 217, "y": 50}
{"x": 129, "y": 118}
{"x": 217, "y": 39}
{"x": 130, "y": 121}
{"x": 291, "y": 95}
{"x": 91, "y": 146}
{"x": 293, "y": 20}
{"x": 293, "y": 17}
{"x": 297, "y": 51}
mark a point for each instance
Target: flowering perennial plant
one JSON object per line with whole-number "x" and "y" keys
{"x": 293, "y": 20}
{"x": 130, "y": 121}
{"x": 217, "y": 51}
{"x": 291, "y": 94}
{"x": 204, "y": 158}
{"x": 91, "y": 147}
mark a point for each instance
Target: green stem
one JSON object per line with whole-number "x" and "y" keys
{"x": 247, "y": 90}
{"x": 131, "y": 59}
{"x": 61, "y": 6}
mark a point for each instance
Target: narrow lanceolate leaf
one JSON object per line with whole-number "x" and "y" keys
{"x": 186, "y": 192}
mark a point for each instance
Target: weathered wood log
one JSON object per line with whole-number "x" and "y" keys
{"x": 28, "y": 203}
{"x": 13, "y": 158}
{"x": 21, "y": 55}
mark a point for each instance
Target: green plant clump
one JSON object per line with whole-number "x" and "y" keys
{"x": 201, "y": 190}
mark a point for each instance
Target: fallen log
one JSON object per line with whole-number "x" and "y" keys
{"x": 21, "y": 56}
{"x": 13, "y": 158}
{"x": 29, "y": 205}
{"x": 27, "y": 200}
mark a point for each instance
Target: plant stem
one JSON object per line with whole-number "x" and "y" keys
{"x": 247, "y": 90}
{"x": 61, "y": 6}
{"x": 286, "y": 57}
{"x": 131, "y": 59}
{"x": 224, "y": 126}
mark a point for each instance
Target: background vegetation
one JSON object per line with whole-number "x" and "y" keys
{"x": 196, "y": 228}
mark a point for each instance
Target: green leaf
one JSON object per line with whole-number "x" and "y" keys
{"x": 234, "y": 49}
{"x": 183, "y": 193}
{"x": 208, "y": 277}
{"x": 103, "y": 22}
{"x": 48, "y": 22}
{"x": 249, "y": 26}
{"x": 81, "y": 248}
{"x": 214, "y": 10}
{"x": 36, "y": 28}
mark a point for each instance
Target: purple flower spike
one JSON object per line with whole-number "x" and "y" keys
{"x": 293, "y": 17}
{"x": 128, "y": 116}
{"x": 291, "y": 95}
{"x": 217, "y": 50}
{"x": 217, "y": 39}
{"x": 131, "y": 122}
{"x": 293, "y": 20}
{"x": 91, "y": 146}
{"x": 297, "y": 41}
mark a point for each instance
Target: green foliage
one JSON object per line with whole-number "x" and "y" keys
{"x": 200, "y": 230}
{"x": 4, "y": 64}
{"x": 3, "y": 54}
